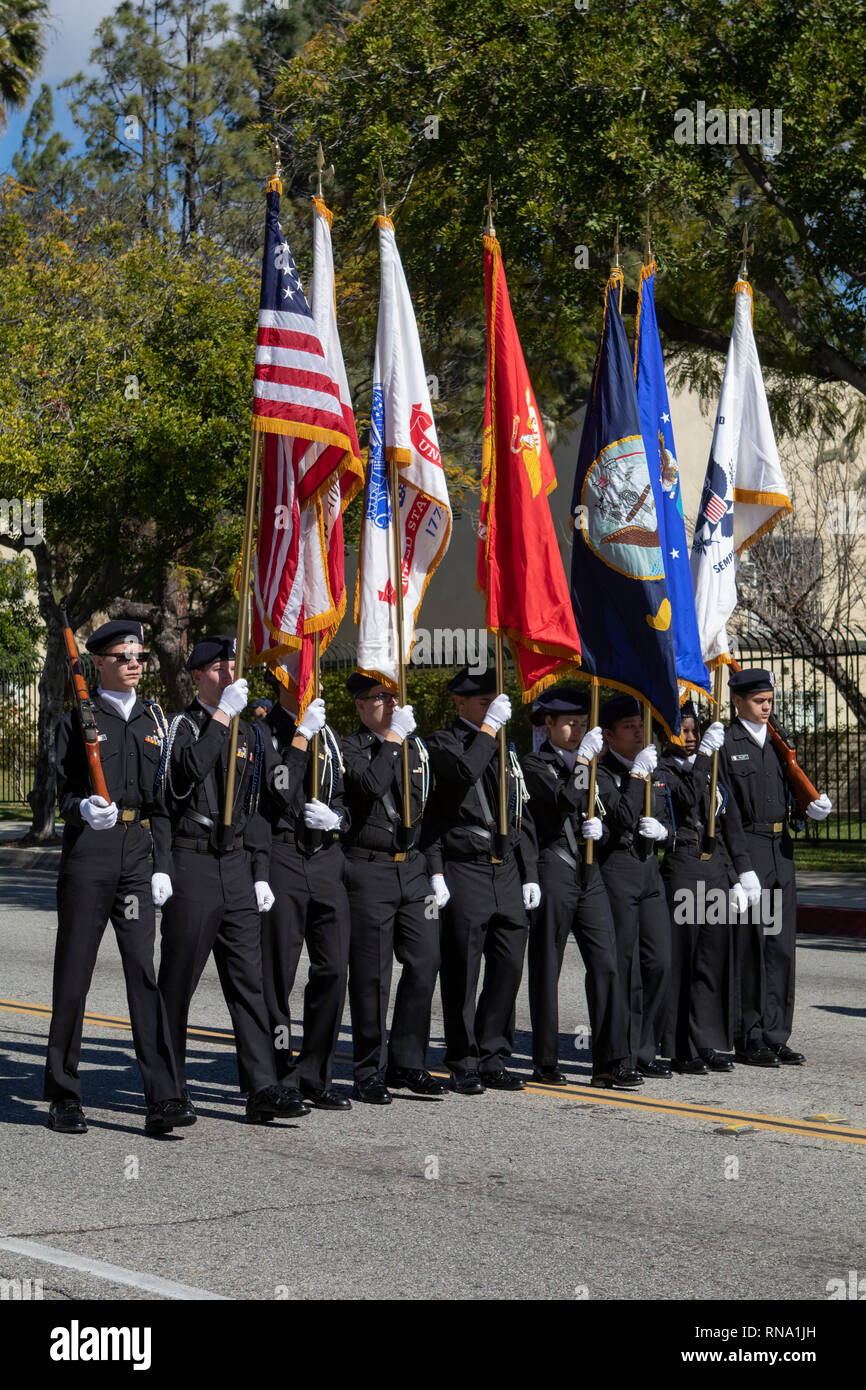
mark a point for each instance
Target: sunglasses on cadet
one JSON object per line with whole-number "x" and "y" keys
{"x": 126, "y": 658}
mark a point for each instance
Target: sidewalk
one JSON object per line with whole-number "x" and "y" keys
{"x": 828, "y": 904}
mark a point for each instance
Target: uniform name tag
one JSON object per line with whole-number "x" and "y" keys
{"x": 102, "y": 738}
{"x": 740, "y": 757}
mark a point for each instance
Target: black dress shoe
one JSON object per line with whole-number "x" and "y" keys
{"x": 618, "y": 1078}
{"x": 757, "y": 1057}
{"x": 66, "y": 1117}
{"x": 373, "y": 1091}
{"x": 502, "y": 1080}
{"x": 275, "y": 1103}
{"x": 653, "y": 1069}
{"x": 415, "y": 1079}
{"x": 692, "y": 1066}
{"x": 327, "y": 1099}
{"x": 787, "y": 1055}
{"x": 549, "y": 1076}
{"x": 716, "y": 1061}
{"x": 188, "y": 1108}
{"x": 466, "y": 1083}
{"x": 165, "y": 1115}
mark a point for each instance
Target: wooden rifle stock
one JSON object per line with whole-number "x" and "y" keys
{"x": 799, "y": 783}
{"x": 86, "y": 717}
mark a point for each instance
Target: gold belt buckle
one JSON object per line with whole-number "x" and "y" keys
{"x": 778, "y": 827}
{"x": 128, "y": 816}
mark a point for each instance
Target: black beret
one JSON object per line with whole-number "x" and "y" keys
{"x": 559, "y": 699}
{"x": 118, "y": 630}
{"x": 221, "y": 648}
{"x": 749, "y": 682}
{"x": 618, "y": 707}
{"x": 465, "y": 683}
{"x": 689, "y": 710}
{"x": 359, "y": 684}
{"x": 262, "y": 703}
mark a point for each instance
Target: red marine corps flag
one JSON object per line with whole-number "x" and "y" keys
{"x": 311, "y": 465}
{"x": 520, "y": 568}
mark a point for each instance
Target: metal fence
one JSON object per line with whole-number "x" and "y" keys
{"x": 820, "y": 699}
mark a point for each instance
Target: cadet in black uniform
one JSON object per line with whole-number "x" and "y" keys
{"x": 220, "y": 886}
{"x": 487, "y": 913}
{"x": 630, "y": 870}
{"x": 573, "y": 895}
{"x": 702, "y": 903}
{"x": 396, "y": 887}
{"x": 307, "y": 876}
{"x": 763, "y": 856}
{"x": 111, "y": 867}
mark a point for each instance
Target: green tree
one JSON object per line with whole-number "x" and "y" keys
{"x": 19, "y": 624}
{"x": 22, "y": 46}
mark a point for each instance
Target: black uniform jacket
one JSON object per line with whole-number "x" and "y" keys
{"x": 623, "y": 798}
{"x": 758, "y": 790}
{"x": 196, "y": 783}
{"x": 462, "y": 756}
{"x": 557, "y": 796}
{"x": 288, "y": 785}
{"x": 129, "y": 751}
{"x": 374, "y": 794}
{"x": 689, "y": 788}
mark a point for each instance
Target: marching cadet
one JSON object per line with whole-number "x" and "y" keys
{"x": 111, "y": 867}
{"x": 396, "y": 887}
{"x": 763, "y": 856}
{"x": 220, "y": 879}
{"x": 629, "y": 868}
{"x": 307, "y": 873}
{"x": 698, "y": 881}
{"x": 573, "y": 896}
{"x": 493, "y": 885}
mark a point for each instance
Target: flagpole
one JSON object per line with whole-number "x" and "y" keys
{"x": 647, "y": 739}
{"x": 314, "y": 742}
{"x": 242, "y": 629}
{"x": 709, "y": 844}
{"x": 593, "y": 720}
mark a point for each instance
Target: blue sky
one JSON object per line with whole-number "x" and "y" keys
{"x": 69, "y": 41}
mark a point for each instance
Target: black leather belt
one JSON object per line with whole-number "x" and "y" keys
{"x": 564, "y": 855}
{"x": 765, "y": 827}
{"x": 201, "y": 845}
{"x": 381, "y": 856}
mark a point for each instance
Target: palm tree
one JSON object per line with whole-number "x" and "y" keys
{"x": 22, "y": 45}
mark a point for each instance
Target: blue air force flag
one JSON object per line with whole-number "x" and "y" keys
{"x": 618, "y": 588}
{"x": 658, "y": 438}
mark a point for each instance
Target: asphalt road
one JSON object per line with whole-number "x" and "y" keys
{"x": 540, "y": 1195}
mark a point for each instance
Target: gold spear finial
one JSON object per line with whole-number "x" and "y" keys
{"x": 747, "y": 249}
{"x": 384, "y": 187}
{"x": 275, "y": 149}
{"x": 489, "y": 208}
{"x": 648, "y": 249}
{"x": 616, "y": 264}
{"x": 321, "y": 171}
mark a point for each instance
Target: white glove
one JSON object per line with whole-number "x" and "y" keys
{"x": 313, "y": 720}
{"x": 591, "y": 744}
{"x": 160, "y": 889}
{"x": 498, "y": 713}
{"x": 652, "y": 829}
{"x": 591, "y": 828}
{"x": 751, "y": 886}
{"x": 531, "y": 895}
{"x": 820, "y": 809}
{"x": 98, "y": 813}
{"x": 440, "y": 889}
{"x": 739, "y": 899}
{"x": 318, "y": 816}
{"x": 712, "y": 739}
{"x": 646, "y": 761}
{"x": 402, "y": 721}
{"x": 264, "y": 897}
{"x": 234, "y": 698}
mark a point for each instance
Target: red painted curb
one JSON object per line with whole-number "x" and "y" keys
{"x": 831, "y": 921}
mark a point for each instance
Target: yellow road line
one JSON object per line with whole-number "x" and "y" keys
{"x": 581, "y": 1092}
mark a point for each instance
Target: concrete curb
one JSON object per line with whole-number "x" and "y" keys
{"x": 831, "y": 921}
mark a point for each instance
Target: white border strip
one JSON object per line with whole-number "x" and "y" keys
{"x": 148, "y": 1283}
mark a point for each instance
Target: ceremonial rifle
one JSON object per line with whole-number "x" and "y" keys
{"x": 84, "y": 710}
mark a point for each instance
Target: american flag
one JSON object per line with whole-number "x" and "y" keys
{"x": 310, "y": 457}
{"x": 715, "y": 508}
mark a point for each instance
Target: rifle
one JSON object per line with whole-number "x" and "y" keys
{"x": 799, "y": 783}
{"x": 84, "y": 710}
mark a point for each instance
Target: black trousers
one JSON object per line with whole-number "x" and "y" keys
{"x": 485, "y": 918}
{"x": 765, "y": 949}
{"x": 393, "y": 913}
{"x": 700, "y": 1001}
{"x": 643, "y": 940}
{"x": 568, "y": 905}
{"x": 105, "y": 875}
{"x": 213, "y": 908}
{"x": 311, "y": 905}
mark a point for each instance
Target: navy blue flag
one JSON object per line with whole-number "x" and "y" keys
{"x": 618, "y": 588}
{"x": 658, "y": 438}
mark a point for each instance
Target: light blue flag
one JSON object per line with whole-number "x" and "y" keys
{"x": 658, "y": 437}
